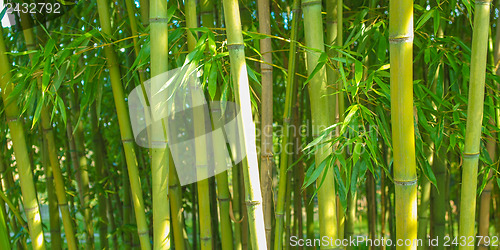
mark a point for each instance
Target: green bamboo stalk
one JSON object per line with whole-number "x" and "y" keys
{"x": 438, "y": 222}
{"x": 223, "y": 195}
{"x": 474, "y": 120}
{"x": 287, "y": 113}
{"x": 100, "y": 171}
{"x": 4, "y": 230}
{"x": 321, "y": 113}
{"x": 125, "y": 127}
{"x": 175, "y": 197}
{"x": 160, "y": 162}
{"x": 236, "y": 207}
{"x": 372, "y": 206}
{"x": 206, "y": 237}
{"x": 423, "y": 211}
{"x": 8, "y": 182}
{"x": 55, "y": 227}
{"x": 127, "y": 203}
{"x": 49, "y": 138}
{"x": 266, "y": 141}
{"x": 250, "y": 171}
{"x": 309, "y": 190}
{"x": 288, "y": 211}
{"x": 20, "y": 151}
{"x": 81, "y": 169}
{"x": 405, "y": 175}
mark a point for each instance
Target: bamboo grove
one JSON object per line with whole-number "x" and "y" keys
{"x": 364, "y": 125}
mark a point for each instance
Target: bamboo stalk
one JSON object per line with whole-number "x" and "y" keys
{"x": 236, "y": 207}
{"x": 204, "y": 204}
{"x": 55, "y": 227}
{"x": 285, "y": 141}
{"x": 160, "y": 162}
{"x": 49, "y": 138}
{"x": 224, "y": 196}
{"x": 253, "y": 195}
{"x": 4, "y": 230}
{"x": 100, "y": 171}
{"x": 321, "y": 113}
{"x": 15, "y": 124}
{"x": 125, "y": 127}
{"x": 474, "y": 120}
{"x": 266, "y": 141}
{"x": 81, "y": 170}
{"x": 372, "y": 206}
{"x": 401, "y": 72}
{"x": 175, "y": 196}
{"x": 438, "y": 219}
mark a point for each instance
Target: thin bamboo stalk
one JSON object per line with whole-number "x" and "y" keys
{"x": 253, "y": 195}
{"x": 4, "y": 230}
{"x": 55, "y": 227}
{"x": 321, "y": 113}
{"x": 236, "y": 207}
{"x": 100, "y": 171}
{"x": 15, "y": 124}
{"x": 204, "y": 204}
{"x": 176, "y": 209}
{"x": 474, "y": 120}
{"x": 125, "y": 127}
{"x": 82, "y": 173}
{"x": 438, "y": 219}
{"x": 286, "y": 145}
{"x": 224, "y": 196}
{"x": 405, "y": 176}
{"x": 266, "y": 140}
{"x": 49, "y": 138}
{"x": 372, "y": 206}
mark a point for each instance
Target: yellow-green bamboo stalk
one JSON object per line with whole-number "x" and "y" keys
{"x": 285, "y": 141}
{"x": 15, "y": 124}
{"x": 266, "y": 139}
{"x": 55, "y": 227}
{"x": 175, "y": 196}
{"x": 4, "y": 230}
{"x": 81, "y": 171}
{"x": 405, "y": 175}
{"x": 439, "y": 167}
{"x": 250, "y": 169}
{"x": 100, "y": 171}
{"x": 321, "y": 113}
{"x": 223, "y": 195}
{"x": 206, "y": 238}
{"x": 160, "y": 162}
{"x": 125, "y": 128}
{"x": 474, "y": 120}
{"x": 49, "y": 138}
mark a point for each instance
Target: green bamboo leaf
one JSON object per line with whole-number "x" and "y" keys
{"x": 62, "y": 109}
{"x": 352, "y": 110}
{"x": 423, "y": 19}
{"x": 212, "y": 82}
{"x": 358, "y": 68}
{"x": 315, "y": 174}
{"x": 341, "y": 189}
{"x": 437, "y": 20}
{"x": 323, "y": 58}
{"x": 38, "y": 111}
{"x": 46, "y": 75}
{"x": 60, "y": 76}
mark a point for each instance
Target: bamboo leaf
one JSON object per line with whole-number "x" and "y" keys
{"x": 423, "y": 19}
